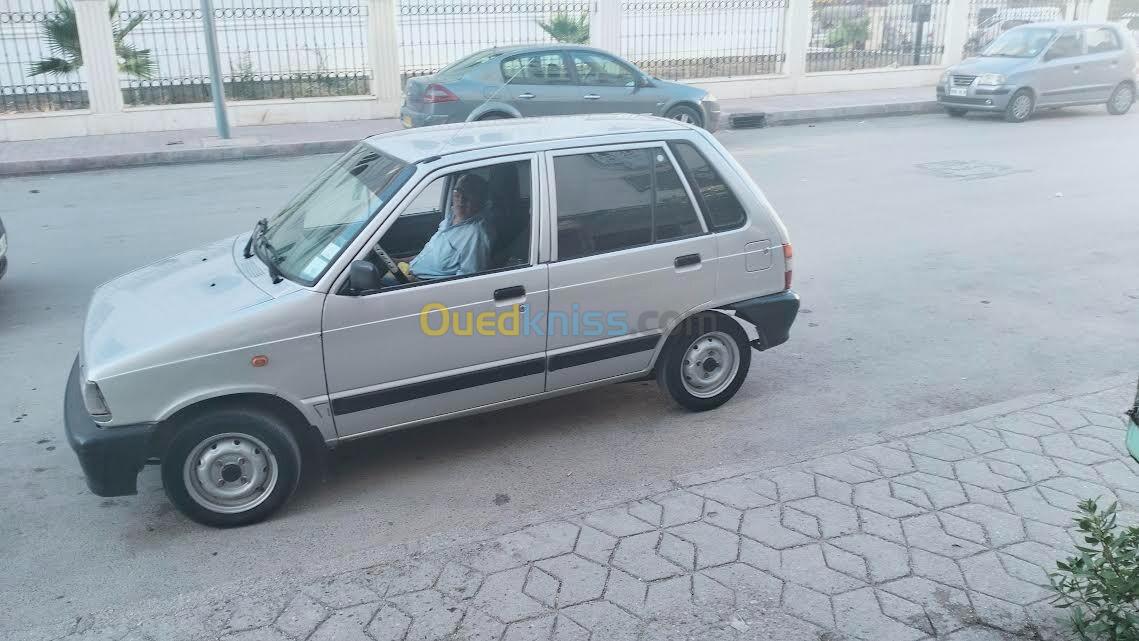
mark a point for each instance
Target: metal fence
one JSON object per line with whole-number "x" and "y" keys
{"x": 435, "y": 33}
{"x": 268, "y": 49}
{"x": 990, "y": 18}
{"x": 871, "y": 34}
{"x": 705, "y": 38}
{"x": 39, "y": 58}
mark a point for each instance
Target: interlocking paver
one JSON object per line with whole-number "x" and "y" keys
{"x": 948, "y": 533}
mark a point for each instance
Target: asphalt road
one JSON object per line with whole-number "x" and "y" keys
{"x": 943, "y": 265}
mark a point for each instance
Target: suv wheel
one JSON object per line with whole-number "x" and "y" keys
{"x": 232, "y": 466}
{"x": 1121, "y": 99}
{"x": 1020, "y": 106}
{"x": 705, "y": 361}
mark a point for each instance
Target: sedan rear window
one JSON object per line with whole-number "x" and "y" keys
{"x": 542, "y": 68}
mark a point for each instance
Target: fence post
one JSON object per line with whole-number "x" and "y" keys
{"x": 605, "y": 26}
{"x": 383, "y": 47}
{"x": 798, "y": 39}
{"x": 1097, "y": 11}
{"x": 100, "y": 62}
{"x": 956, "y": 31}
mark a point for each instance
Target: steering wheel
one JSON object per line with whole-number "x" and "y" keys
{"x": 391, "y": 265}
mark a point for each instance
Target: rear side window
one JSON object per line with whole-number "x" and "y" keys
{"x": 613, "y": 200}
{"x": 541, "y": 68}
{"x": 1101, "y": 40}
{"x": 720, "y": 206}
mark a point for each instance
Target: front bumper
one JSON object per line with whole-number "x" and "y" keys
{"x": 977, "y": 98}
{"x": 110, "y": 457}
{"x": 711, "y": 110}
{"x": 772, "y": 316}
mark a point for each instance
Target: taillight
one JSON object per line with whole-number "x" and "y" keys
{"x": 787, "y": 265}
{"x": 438, "y": 93}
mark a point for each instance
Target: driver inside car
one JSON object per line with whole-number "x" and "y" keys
{"x": 462, "y": 244}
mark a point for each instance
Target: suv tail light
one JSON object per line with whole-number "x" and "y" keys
{"x": 787, "y": 265}
{"x": 438, "y": 93}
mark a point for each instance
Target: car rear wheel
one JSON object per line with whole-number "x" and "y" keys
{"x": 704, "y": 362}
{"x": 1020, "y": 106}
{"x": 231, "y": 466}
{"x": 686, "y": 114}
{"x": 494, "y": 115}
{"x": 955, "y": 112}
{"x": 1121, "y": 99}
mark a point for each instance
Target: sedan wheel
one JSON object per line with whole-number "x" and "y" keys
{"x": 1121, "y": 100}
{"x": 1020, "y": 106}
{"x": 685, "y": 114}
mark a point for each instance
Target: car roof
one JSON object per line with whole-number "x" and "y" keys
{"x": 542, "y": 46}
{"x": 415, "y": 145}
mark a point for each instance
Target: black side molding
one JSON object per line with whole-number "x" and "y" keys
{"x": 602, "y": 352}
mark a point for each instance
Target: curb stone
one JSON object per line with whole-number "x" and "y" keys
{"x": 953, "y": 550}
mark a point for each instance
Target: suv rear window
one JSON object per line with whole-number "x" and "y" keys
{"x": 720, "y": 206}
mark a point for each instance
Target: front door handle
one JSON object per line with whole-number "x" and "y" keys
{"x": 591, "y": 96}
{"x": 686, "y": 260}
{"x": 509, "y": 293}
{"x": 526, "y": 96}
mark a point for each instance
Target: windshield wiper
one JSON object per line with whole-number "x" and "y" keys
{"x": 257, "y": 241}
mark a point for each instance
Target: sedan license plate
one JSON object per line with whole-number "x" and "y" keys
{"x": 406, "y": 121}
{"x": 958, "y": 91}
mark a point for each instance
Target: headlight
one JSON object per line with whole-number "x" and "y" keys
{"x": 991, "y": 79}
{"x": 94, "y": 402}
{"x": 708, "y": 98}
{"x": 945, "y": 77}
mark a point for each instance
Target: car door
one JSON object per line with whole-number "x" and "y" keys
{"x": 607, "y": 85}
{"x": 412, "y": 352}
{"x": 1105, "y": 61}
{"x": 1063, "y": 78}
{"x": 632, "y": 255}
{"x": 538, "y": 83}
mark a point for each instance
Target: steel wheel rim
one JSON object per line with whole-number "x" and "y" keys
{"x": 230, "y": 473}
{"x": 1021, "y": 106}
{"x": 710, "y": 364}
{"x": 1123, "y": 98}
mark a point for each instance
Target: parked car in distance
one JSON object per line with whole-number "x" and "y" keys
{"x": 549, "y": 80}
{"x": 618, "y": 247}
{"x": 3, "y": 250}
{"x": 1045, "y": 65}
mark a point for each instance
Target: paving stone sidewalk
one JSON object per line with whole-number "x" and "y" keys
{"x": 943, "y": 529}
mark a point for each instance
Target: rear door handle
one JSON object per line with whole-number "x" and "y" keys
{"x": 526, "y": 96}
{"x": 686, "y": 260}
{"x": 591, "y": 96}
{"x": 509, "y": 293}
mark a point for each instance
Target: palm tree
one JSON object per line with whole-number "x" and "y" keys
{"x": 566, "y": 28}
{"x": 62, "y": 35}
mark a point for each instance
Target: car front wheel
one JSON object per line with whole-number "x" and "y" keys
{"x": 1020, "y": 106}
{"x": 686, "y": 114}
{"x": 705, "y": 361}
{"x": 1121, "y": 99}
{"x": 955, "y": 112}
{"x": 231, "y": 466}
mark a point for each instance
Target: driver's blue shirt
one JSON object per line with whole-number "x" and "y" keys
{"x": 456, "y": 249}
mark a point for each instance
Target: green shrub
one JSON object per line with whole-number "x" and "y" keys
{"x": 1101, "y": 585}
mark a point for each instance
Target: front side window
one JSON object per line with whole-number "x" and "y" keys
{"x": 720, "y": 206}
{"x": 613, "y": 200}
{"x": 1101, "y": 40}
{"x": 1026, "y": 42}
{"x": 315, "y": 227}
{"x": 598, "y": 70}
{"x": 543, "y": 68}
{"x": 1066, "y": 46}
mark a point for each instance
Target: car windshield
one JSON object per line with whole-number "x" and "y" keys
{"x": 312, "y": 230}
{"x": 1020, "y": 43}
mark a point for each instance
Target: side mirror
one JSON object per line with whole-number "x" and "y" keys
{"x": 644, "y": 82}
{"x": 363, "y": 277}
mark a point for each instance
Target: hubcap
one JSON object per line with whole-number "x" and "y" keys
{"x": 1123, "y": 99}
{"x": 684, "y": 117}
{"x": 1021, "y": 107}
{"x": 710, "y": 364}
{"x": 230, "y": 473}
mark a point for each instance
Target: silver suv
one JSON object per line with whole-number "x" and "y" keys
{"x": 586, "y": 250}
{"x": 1045, "y": 65}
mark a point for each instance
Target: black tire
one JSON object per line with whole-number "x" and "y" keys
{"x": 956, "y": 112}
{"x": 1018, "y": 110}
{"x": 256, "y": 430}
{"x": 687, "y": 114}
{"x": 687, "y": 339}
{"x": 1121, "y": 99}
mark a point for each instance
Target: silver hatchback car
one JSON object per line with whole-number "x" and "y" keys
{"x": 549, "y": 80}
{"x": 1045, "y": 65}
{"x": 428, "y": 275}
